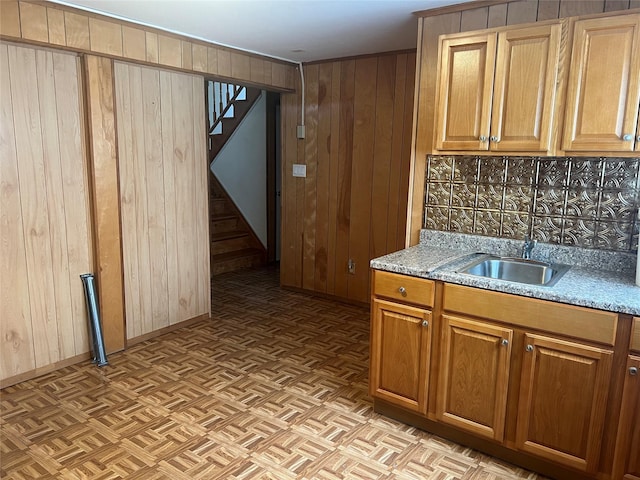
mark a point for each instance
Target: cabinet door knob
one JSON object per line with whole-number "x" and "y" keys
{"x": 495, "y": 139}
{"x": 483, "y": 138}
{"x": 633, "y": 371}
{"x": 638, "y": 139}
{"x": 425, "y": 323}
{"x": 505, "y": 342}
{"x": 403, "y": 291}
{"x": 627, "y": 137}
{"x": 529, "y": 348}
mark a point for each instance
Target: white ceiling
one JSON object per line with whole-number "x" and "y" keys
{"x": 297, "y": 30}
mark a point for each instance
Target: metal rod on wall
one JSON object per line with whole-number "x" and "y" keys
{"x": 97, "y": 340}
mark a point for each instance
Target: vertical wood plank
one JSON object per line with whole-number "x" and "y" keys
{"x": 383, "y": 133}
{"x": 105, "y": 37}
{"x": 475, "y": 19}
{"x": 169, "y": 51}
{"x": 55, "y": 23}
{"x": 634, "y": 4}
{"x": 325, "y": 86}
{"x": 614, "y": 5}
{"x": 133, "y": 43}
{"x": 548, "y": 9}
{"x": 311, "y": 160}
{"x": 35, "y": 212}
{"x": 10, "y": 18}
{"x": 212, "y": 60}
{"x": 497, "y": 15}
{"x": 33, "y": 21}
{"x": 187, "y": 55}
{"x": 77, "y": 30}
{"x": 151, "y": 47}
{"x": 240, "y": 66}
{"x": 278, "y": 74}
{"x": 199, "y": 57}
{"x": 257, "y": 69}
{"x": 224, "y": 63}
{"x": 335, "y": 95}
{"x": 16, "y": 331}
{"x": 106, "y": 207}
{"x": 523, "y": 11}
{"x": 364, "y": 114}
{"x": 569, "y": 8}
{"x": 345, "y": 160}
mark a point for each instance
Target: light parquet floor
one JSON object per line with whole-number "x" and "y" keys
{"x": 273, "y": 387}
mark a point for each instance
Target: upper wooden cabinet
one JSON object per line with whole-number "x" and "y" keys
{"x": 604, "y": 86}
{"x": 496, "y": 91}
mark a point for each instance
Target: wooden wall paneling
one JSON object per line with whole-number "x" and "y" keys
{"x": 335, "y": 95}
{"x": 364, "y": 114}
{"x": 151, "y": 42}
{"x": 55, "y": 24}
{"x": 548, "y": 10}
{"x": 323, "y": 170}
{"x": 169, "y": 51}
{"x": 345, "y": 160}
{"x": 240, "y": 66}
{"x": 569, "y": 8}
{"x": 279, "y": 74}
{"x": 634, "y": 4}
{"x": 158, "y": 315}
{"x": 171, "y": 206}
{"x": 613, "y": 5}
{"x": 10, "y": 18}
{"x": 381, "y": 158}
{"x": 33, "y": 21}
{"x": 224, "y": 63}
{"x": 299, "y": 240}
{"x": 475, "y": 19}
{"x": 134, "y": 43}
{"x": 212, "y": 60}
{"x": 407, "y": 145}
{"x": 105, "y": 37}
{"x": 16, "y": 340}
{"x": 429, "y": 30}
{"x": 523, "y": 11}
{"x": 199, "y": 57}
{"x": 256, "y": 66}
{"x": 77, "y": 31}
{"x": 187, "y": 55}
{"x": 267, "y": 71}
{"x": 497, "y": 15}
{"x": 35, "y": 213}
{"x": 310, "y": 188}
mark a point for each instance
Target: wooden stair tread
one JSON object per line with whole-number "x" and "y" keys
{"x": 223, "y": 216}
{"x": 245, "y": 252}
{"x": 228, "y": 235}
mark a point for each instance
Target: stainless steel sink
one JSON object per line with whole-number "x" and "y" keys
{"x": 516, "y": 270}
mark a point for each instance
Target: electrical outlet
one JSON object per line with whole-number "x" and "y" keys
{"x": 299, "y": 170}
{"x": 351, "y": 267}
{"x": 300, "y": 132}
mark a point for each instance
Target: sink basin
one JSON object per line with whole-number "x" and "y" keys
{"x": 516, "y": 270}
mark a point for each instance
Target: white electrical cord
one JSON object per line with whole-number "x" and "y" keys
{"x": 302, "y": 87}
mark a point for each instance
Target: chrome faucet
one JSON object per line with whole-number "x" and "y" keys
{"x": 529, "y": 244}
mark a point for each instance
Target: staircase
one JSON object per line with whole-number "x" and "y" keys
{"x": 234, "y": 245}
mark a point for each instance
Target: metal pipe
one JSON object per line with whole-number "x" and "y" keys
{"x": 97, "y": 341}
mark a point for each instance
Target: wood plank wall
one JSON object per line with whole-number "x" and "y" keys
{"x": 66, "y": 27}
{"x": 430, "y": 27}
{"x": 45, "y": 236}
{"x": 352, "y": 204}
{"x": 163, "y": 194}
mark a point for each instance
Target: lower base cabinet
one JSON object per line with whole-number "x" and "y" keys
{"x": 627, "y": 457}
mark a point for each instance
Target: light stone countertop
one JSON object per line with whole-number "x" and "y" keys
{"x": 597, "y": 279}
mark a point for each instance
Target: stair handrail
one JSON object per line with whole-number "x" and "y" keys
{"x": 227, "y": 93}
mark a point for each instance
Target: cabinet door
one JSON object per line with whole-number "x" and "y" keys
{"x": 604, "y": 85}
{"x": 562, "y": 402}
{"x": 465, "y": 83}
{"x": 474, "y": 375}
{"x": 524, "y": 89}
{"x": 400, "y": 354}
{"x": 626, "y": 463}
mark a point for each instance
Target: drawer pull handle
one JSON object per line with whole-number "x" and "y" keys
{"x": 403, "y": 291}
{"x": 425, "y": 323}
{"x": 505, "y": 342}
{"x": 633, "y": 371}
{"x": 529, "y": 348}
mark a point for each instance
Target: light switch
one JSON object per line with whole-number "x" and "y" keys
{"x": 299, "y": 170}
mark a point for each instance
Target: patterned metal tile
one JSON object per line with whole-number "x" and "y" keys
{"x": 521, "y": 171}
{"x": 623, "y": 173}
{"x": 550, "y": 201}
{"x": 514, "y": 224}
{"x": 490, "y": 197}
{"x": 517, "y": 198}
{"x": 614, "y": 235}
{"x": 439, "y": 169}
{"x": 492, "y": 170}
{"x": 582, "y": 202}
{"x": 585, "y": 173}
{"x": 438, "y": 194}
{"x": 461, "y": 220}
{"x": 487, "y": 222}
{"x": 618, "y": 205}
{"x": 553, "y": 172}
{"x": 437, "y": 218}
{"x": 547, "y": 229}
{"x": 463, "y": 195}
{"x": 465, "y": 169}
{"x": 579, "y": 232}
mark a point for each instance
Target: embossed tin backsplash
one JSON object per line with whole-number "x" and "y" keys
{"x": 589, "y": 202}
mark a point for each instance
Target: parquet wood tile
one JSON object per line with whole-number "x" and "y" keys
{"x": 275, "y": 386}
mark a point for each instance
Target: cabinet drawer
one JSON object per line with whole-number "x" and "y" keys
{"x": 583, "y": 323}
{"x": 635, "y": 335}
{"x": 404, "y": 288}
